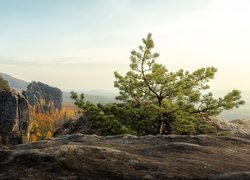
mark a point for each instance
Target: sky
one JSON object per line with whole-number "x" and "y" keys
{"x": 78, "y": 44}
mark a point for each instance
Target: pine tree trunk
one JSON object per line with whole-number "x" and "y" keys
{"x": 162, "y": 128}
{"x": 162, "y": 125}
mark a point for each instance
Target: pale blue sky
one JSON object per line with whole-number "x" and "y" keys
{"x": 77, "y": 44}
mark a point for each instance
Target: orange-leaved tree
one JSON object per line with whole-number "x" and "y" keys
{"x": 45, "y": 124}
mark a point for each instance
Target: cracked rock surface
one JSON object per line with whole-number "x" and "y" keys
{"x": 79, "y": 156}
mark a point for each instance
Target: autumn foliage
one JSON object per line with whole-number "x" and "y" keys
{"x": 44, "y": 123}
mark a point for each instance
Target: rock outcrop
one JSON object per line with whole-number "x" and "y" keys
{"x": 76, "y": 125}
{"x": 237, "y": 128}
{"x": 14, "y": 118}
{"x": 37, "y": 91}
{"x": 79, "y": 156}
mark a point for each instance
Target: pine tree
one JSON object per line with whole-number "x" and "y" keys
{"x": 179, "y": 94}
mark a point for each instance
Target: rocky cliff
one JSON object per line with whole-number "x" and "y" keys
{"x": 14, "y": 118}
{"x": 37, "y": 91}
{"x": 79, "y": 156}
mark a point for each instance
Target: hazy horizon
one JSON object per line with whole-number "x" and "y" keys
{"x": 79, "y": 44}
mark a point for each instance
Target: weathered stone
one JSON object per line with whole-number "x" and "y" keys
{"x": 15, "y": 118}
{"x": 37, "y": 91}
{"x": 237, "y": 128}
{"x": 79, "y": 156}
{"x": 76, "y": 125}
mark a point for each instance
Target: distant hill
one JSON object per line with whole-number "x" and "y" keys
{"x": 15, "y": 83}
{"x": 243, "y": 112}
{"x": 93, "y": 98}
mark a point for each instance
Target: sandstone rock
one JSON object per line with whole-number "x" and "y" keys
{"x": 237, "y": 128}
{"x": 36, "y": 91}
{"x": 233, "y": 176}
{"x": 76, "y": 125}
{"x": 14, "y": 118}
{"x": 79, "y": 156}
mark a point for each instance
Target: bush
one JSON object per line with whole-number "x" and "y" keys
{"x": 104, "y": 120}
{"x": 113, "y": 119}
{"x": 184, "y": 127}
{"x": 224, "y": 133}
{"x": 206, "y": 129}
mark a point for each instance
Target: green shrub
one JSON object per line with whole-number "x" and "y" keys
{"x": 113, "y": 119}
{"x": 224, "y": 133}
{"x": 184, "y": 127}
{"x": 206, "y": 129}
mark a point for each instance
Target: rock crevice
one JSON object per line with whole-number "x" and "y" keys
{"x": 15, "y": 120}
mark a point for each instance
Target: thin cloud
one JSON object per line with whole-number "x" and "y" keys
{"x": 60, "y": 63}
{"x": 17, "y": 61}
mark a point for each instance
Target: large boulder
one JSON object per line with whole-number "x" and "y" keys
{"x": 76, "y": 125}
{"x": 37, "y": 92}
{"x": 15, "y": 118}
